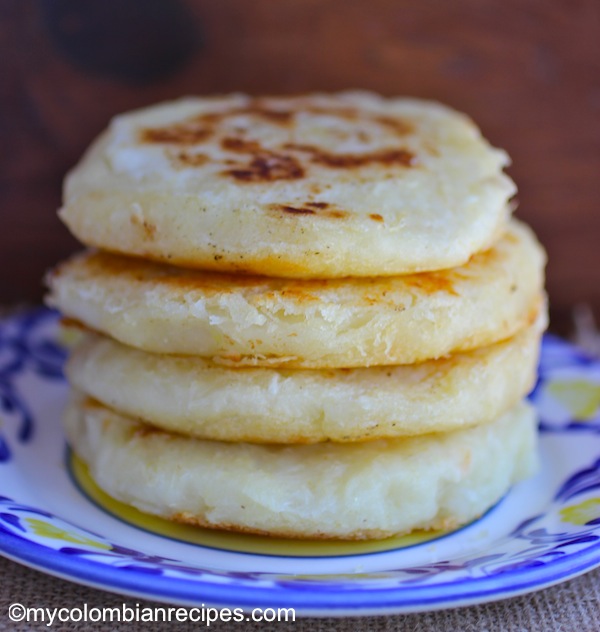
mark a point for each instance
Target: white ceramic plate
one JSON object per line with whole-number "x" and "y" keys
{"x": 53, "y": 518}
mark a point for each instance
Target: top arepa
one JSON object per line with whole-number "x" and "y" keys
{"x": 347, "y": 184}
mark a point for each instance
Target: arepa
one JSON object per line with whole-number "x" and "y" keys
{"x": 259, "y": 321}
{"x": 195, "y": 397}
{"x": 347, "y": 491}
{"x": 315, "y": 186}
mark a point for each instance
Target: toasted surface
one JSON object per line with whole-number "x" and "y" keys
{"x": 238, "y": 320}
{"x": 349, "y": 491}
{"x": 263, "y": 405}
{"x": 317, "y": 186}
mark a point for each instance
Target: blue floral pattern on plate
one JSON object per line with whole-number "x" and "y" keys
{"x": 544, "y": 532}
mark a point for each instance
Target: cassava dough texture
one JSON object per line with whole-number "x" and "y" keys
{"x": 258, "y": 321}
{"x": 195, "y": 397}
{"x": 326, "y": 490}
{"x": 315, "y": 186}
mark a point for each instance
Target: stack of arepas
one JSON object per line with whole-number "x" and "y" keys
{"x": 305, "y": 316}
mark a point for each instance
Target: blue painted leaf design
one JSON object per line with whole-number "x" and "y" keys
{"x": 4, "y": 451}
{"x": 583, "y": 481}
{"x": 13, "y": 520}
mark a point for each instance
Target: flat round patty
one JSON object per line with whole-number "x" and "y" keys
{"x": 316, "y": 186}
{"x": 241, "y": 320}
{"x": 348, "y": 491}
{"x": 195, "y": 397}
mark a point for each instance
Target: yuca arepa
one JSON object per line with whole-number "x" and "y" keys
{"x": 261, "y": 321}
{"x": 325, "y": 490}
{"x": 314, "y": 186}
{"x": 308, "y": 316}
{"x": 196, "y": 397}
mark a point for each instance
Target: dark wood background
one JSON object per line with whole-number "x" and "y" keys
{"x": 528, "y": 71}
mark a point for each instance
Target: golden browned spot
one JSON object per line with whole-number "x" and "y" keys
{"x": 142, "y": 430}
{"x": 268, "y": 167}
{"x": 72, "y": 323}
{"x": 148, "y": 228}
{"x": 319, "y": 209}
{"x": 431, "y": 282}
{"x": 187, "y": 159}
{"x": 107, "y": 265}
{"x": 534, "y": 312}
{"x": 348, "y": 161}
{"x": 264, "y": 166}
{"x": 389, "y": 157}
{"x": 511, "y": 238}
{"x": 231, "y": 143}
{"x": 199, "y": 521}
{"x": 261, "y": 109}
{"x": 248, "y": 359}
{"x": 298, "y": 295}
{"x": 376, "y": 217}
{"x": 249, "y": 267}
{"x": 234, "y": 358}
{"x": 209, "y": 283}
{"x": 486, "y": 258}
{"x": 294, "y": 210}
{"x": 339, "y": 111}
{"x": 186, "y": 133}
{"x": 89, "y": 403}
{"x": 396, "y": 125}
{"x": 199, "y": 128}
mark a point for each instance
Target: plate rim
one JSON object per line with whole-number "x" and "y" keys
{"x": 319, "y": 596}
{"x": 310, "y": 597}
